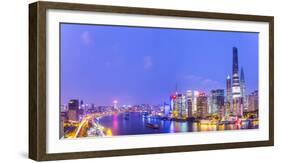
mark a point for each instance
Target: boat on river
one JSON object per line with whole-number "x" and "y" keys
{"x": 151, "y": 125}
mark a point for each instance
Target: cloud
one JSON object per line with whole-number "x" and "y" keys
{"x": 202, "y": 82}
{"x": 147, "y": 62}
{"x": 86, "y": 37}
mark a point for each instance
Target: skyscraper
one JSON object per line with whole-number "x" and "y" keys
{"x": 179, "y": 105}
{"x": 227, "y": 106}
{"x": 189, "y": 103}
{"x": 73, "y": 110}
{"x": 202, "y": 105}
{"x": 236, "y": 90}
{"x": 253, "y": 99}
{"x": 228, "y": 89}
{"x": 243, "y": 87}
{"x": 194, "y": 102}
{"x": 216, "y": 100}
{"x": 166, "y": 109}
{"x": 237, "y": 100}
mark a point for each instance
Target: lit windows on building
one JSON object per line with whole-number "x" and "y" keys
{"x": 73, "y": 110}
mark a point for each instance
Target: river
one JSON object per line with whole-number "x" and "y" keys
{"x": 135, "y": 124}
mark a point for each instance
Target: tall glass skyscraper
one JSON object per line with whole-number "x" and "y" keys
{"x": 228, "y": 96}
{"x": 236, "y": 90}
{"x": 217, "y": 100}
{"x": 228, "y": 89}
{"x": 202, "y": 105}
{"x": 243, "y": 87}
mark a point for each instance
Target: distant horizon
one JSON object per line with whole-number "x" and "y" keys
{"x": 137, "y": 65}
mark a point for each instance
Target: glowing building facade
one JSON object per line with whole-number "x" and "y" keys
{"x": 216, "y": 101}
{"x": 202, "y": 105}
{"x": 73, "y": 110}
{"x": 236, "y": 90}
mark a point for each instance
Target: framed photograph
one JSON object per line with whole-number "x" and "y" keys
{"x": 112, "y": 81}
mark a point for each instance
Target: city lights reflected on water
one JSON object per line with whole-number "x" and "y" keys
{"x": 135, "y": 124}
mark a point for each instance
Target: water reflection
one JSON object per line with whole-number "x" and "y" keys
{"x": 135, "y": 123}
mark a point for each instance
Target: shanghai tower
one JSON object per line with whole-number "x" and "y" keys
{"x": 236, "y": 89}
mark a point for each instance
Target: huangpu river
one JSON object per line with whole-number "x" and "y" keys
{"x": 135, "y": 123}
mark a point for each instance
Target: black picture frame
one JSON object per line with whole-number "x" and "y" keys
{"x": 37, "y": 79}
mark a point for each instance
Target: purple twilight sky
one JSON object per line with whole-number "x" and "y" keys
{"x": 136, "y": 65}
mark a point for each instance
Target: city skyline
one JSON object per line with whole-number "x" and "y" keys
{"x": 146, "y": 65}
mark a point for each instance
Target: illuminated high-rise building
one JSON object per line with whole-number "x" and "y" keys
{"x": 172, "y": 100}
{"x": 228, "y": 89}
{"x": 182, "y": 105}
{"x": 202, "y": 105}
{"x": 73, "y": 110}
{"x": 216, "y": 101}
{"x": 194, "y": 102}
{"x": 253, "y": 100}
{"x": 237, "y": 100}
{"x": 243, "y": 88}
{"x": 228, "y": 100}
{"x": 179, "y": 105}
{"x": 189, "y": 103}
{"x": 237, "y": 106}
{"x": 166, "y": 108}
{"x": 236, "y": 90}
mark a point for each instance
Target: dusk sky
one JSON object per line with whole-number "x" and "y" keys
{"x": 133, "y": 65}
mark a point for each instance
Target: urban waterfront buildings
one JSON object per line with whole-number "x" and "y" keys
{"x": 221, "y": 104}
{"x": 231, "y": 102}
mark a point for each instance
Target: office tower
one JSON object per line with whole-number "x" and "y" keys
{"x": 216, "y": 101}
{"x": 63, "y": 118}
{"x": 202, "y": 105}
{"x": 209, "y": 104}
{"x": 237, "y": 105}
{"x": 73, "y": 110}
{"x": 172, "y": 99}
{"x": 236, "y": 91}
{"x": 228, "y": 89}
{"x": 243, "y": 88}
{"x": 182, "y": 105}
{"x": 237, "y": 100}
{"x": 253, "y": 100}
{"x": 167, "y": 110}
{"x": 179, "y": 106}
{"x": 194, "y": 102}
{"x": 189, "y": 103}
{"x": 227, "y": 109}
{"x": 228, "y": 100}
